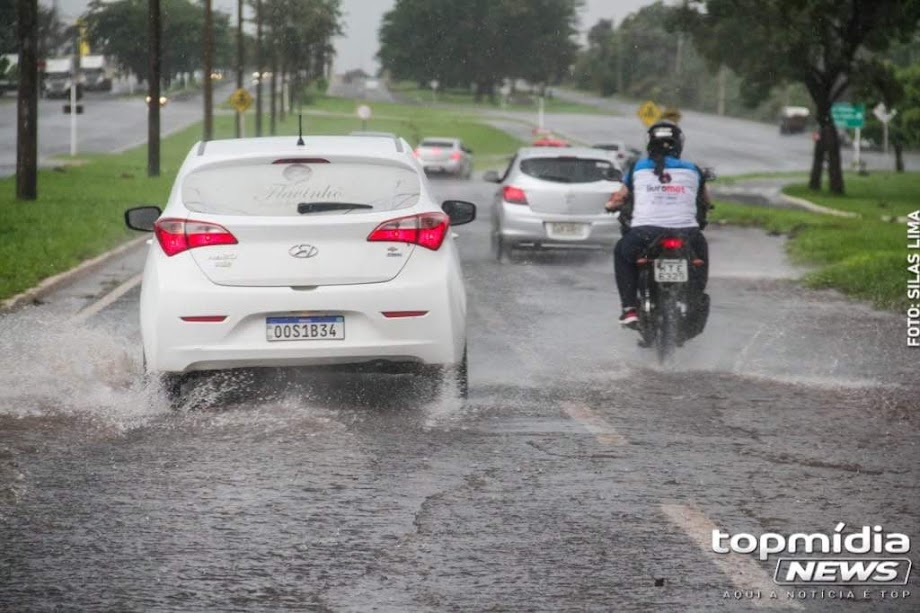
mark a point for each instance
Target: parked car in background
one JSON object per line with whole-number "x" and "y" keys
{"x": 445, "y": 155}
{"x": 625, "y": 155}
{"x": 274, "y": 254}
{"x": 58, "y": 75}
{"x": 793, "y": 119}
{"x": 97, "y": 74}
{"x": 550, "y": 196}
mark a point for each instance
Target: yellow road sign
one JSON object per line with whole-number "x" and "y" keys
{"x": 649, "y": 112}
{"x": 241, "y": 100}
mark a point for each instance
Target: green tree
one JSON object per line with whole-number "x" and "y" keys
{"x": 299, "y": 33}
{"x": 53, "y": 36}
{"x": 119, "y": 29}
{"x": 479, "y": 42}
{"x": 814, "y": 42}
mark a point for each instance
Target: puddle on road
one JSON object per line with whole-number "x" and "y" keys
{"x": 51, "y": 367}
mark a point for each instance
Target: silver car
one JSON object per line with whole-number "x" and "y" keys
{"x": 445, "y": 155}
{"x": 550, "y": 196}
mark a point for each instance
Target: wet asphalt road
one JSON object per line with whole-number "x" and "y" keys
{"x": 579, "y": 476}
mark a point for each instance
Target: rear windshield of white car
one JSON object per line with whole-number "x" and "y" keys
{"x": 568, "y": 169}
{"x": 444, "y": 144}
{"x": 284, "y": 189}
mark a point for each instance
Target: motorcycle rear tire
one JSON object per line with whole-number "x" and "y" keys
{"x": 668, "y": 327}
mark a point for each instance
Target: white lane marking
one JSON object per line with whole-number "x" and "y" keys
{"x": 743, "y": 354}
{"x": 108, "y": 299}
{"x": 745, "y": 573}
{"x": 593, "y": 423}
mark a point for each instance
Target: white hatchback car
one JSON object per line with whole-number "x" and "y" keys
{"x": 271, "y": 253}
{"x": 555, "y": 196}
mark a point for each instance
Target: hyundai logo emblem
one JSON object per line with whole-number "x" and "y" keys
{"x": 303, "y": 251}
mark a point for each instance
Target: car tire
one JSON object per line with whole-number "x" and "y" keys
{"x": 461, "y": 376}
{"x": 174, "y": 386}
{"x": 501, "y": 250}
{"x": 452, "y": 379}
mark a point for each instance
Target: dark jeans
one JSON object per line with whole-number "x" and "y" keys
{"x": 633, "y": 245}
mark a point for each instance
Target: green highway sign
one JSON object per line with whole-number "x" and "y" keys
{"x": 847, "y": 115}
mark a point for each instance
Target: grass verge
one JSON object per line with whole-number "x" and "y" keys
{"x": 875, "y": 195}
{"x": 410, "y": 92}
{"x": 863, "y": 258}
{"x": 78, "y": 214}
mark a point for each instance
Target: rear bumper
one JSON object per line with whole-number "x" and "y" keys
{"x": 449, "y": 166}
{"x": 174, "y": 345}
{"x": 520, "y": 224}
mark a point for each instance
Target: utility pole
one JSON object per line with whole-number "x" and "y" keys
{"x": 259, "y": 67}
{"x": 153, "y": 88}
{"x": 27, "y": 104}
{"x": 208, "y": 68}
{"x": 239, "y": 62}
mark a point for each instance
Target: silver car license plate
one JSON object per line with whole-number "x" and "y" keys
{"x": 671, "y": 271}
{"x": 568, "y": 230}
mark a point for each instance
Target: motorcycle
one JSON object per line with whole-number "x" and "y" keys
{"x": 672, "y": 305}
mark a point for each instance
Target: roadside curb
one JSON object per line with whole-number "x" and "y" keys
{"x": 54, "y": 283}
{"x": 810, "y": 206}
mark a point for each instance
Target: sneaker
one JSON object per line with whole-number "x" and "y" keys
{"x": 630, "y": 317}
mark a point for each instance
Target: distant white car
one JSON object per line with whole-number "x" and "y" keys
{"x": 275, "y": 254}
{"x": 555, "y": 196}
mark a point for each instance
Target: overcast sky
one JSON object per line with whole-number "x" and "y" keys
{"x": 356, "y": 49}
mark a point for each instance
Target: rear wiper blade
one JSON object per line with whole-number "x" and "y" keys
{"x": 305, "y": 208}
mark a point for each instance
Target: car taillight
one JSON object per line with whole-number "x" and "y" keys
{"x": 178, "y": 235}
{"x": 417, "y": 152}
{"x": 672, "y": 242}
{"x": 426, "y": 229}
{"x": 514, "y": 195}
{"x": 456, "y": 155}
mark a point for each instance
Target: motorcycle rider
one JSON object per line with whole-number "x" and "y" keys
{"x": 661, "y": 194}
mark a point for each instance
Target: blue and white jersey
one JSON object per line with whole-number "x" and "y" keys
{"x": 668, "y": 202}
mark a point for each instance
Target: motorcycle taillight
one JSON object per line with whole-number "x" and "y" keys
{"x": 672, "y": 242}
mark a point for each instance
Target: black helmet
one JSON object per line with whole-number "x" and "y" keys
{"x": 665, "y": 137}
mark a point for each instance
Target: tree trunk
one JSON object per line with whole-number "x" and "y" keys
{"x": 260, "y": 68}
{"x": 207, "y": 85}
{"x": 834, "y": 170}
{"x": 154, "y": 68}
{"x": 817, "y": 163}
{"x": 281, "y": 111}
{"x": 480, "y": 90}
{"x": 898, "y": 156}
{"x": 273, "y": 99}
{"x": 27, "y": 104}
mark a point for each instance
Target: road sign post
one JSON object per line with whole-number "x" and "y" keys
{"x": 884, "y": 116}
{"x": 848, "y": 115}
{"x": 649, "y": 112}
{"x": 241, "y": 100}
{"x": 364, "y": 113}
